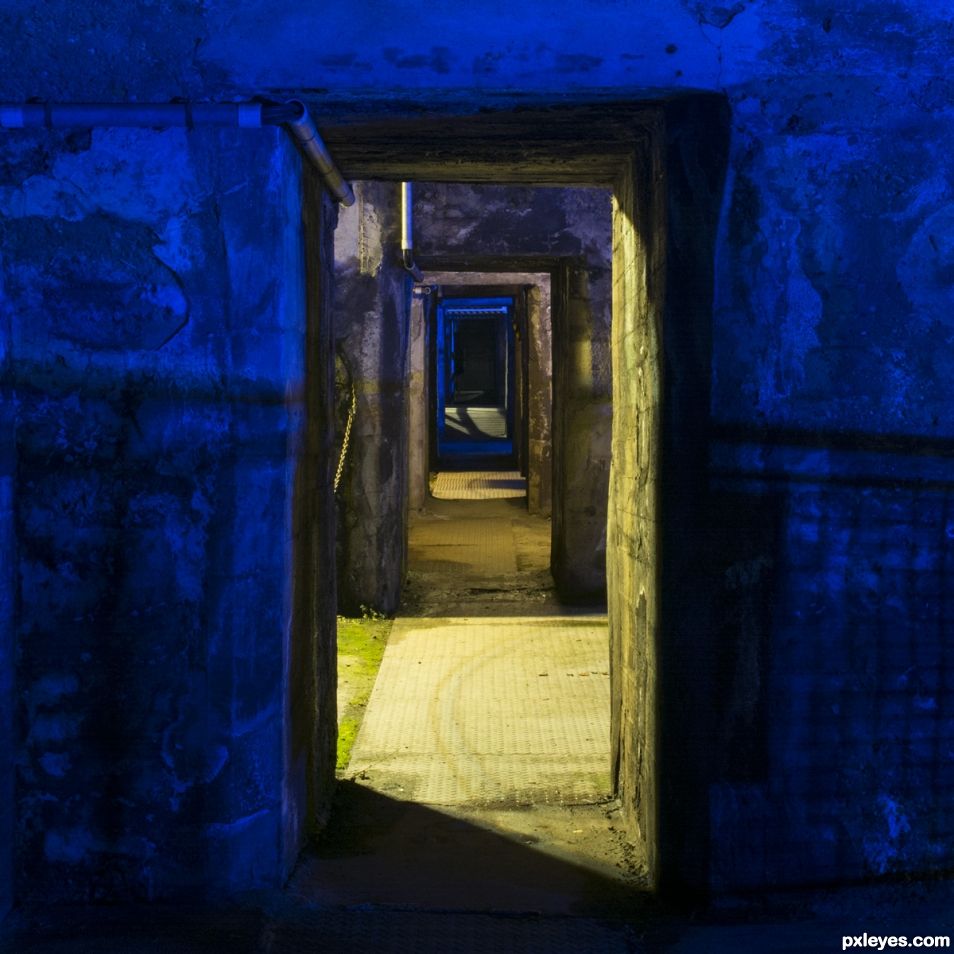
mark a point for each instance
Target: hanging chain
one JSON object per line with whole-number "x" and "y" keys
{"x": 346, "y": 440}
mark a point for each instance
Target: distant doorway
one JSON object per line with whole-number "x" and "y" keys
{"x": 476, "y": 382}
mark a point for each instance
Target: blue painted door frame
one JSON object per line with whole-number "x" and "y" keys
{"x": 450, "y": 311}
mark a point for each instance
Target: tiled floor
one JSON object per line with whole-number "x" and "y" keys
{"x": 510, "y": 710}
{"x": 481, "y": 706}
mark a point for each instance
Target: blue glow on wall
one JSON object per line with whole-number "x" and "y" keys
{"x": 151, "y": 354}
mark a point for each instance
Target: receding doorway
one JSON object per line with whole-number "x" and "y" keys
{"x": 664, "y": 160}
{"x": 475, "y": 382}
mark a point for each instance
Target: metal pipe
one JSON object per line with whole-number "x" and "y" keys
{"x": 145, "y": 115}
{"x": 407, "y": 231}
{"x": 293, "y": 115}
{"x": 304, "y": 130}
{"x": 407, "y": 215}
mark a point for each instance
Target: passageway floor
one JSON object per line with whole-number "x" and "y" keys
{"x": 479, "y": 780}
{"x": 505, "y": 710}
{"x": 480, "y": 558}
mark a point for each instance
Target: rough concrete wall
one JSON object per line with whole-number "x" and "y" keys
{"x": 689, "y": 161}
{"x": 540, "y": 409}
{"x": 572, "y": 224}
{"x": 311, "y": 662}
{"x": 371, "y": 328}
{"x": 831, "y": 388}
{"x": 153, "y": 288}
{"x": 633, "y": 526}
{"x": 7, "y": 604}
{"x": 831, "y": 400}
{"x": 418, "y": 410}
{"x": 582, "y": 424}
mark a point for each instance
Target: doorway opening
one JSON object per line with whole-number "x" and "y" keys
{"x": 663, "y": 162}
{"x": 527, "y": 471}
{"x": 476, "y": 383}
{"x": 466, "y": 717}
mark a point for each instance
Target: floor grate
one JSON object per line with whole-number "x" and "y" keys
{"x": 479, "y": 485}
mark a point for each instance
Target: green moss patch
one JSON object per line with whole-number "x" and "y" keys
{"x": 361, "y": 645}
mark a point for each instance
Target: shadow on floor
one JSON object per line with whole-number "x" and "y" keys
{"x": 445, "y": 883}
{"x": 381, "y": 851}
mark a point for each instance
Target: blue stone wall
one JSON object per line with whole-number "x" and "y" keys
{"x": 836, "y": 617}
{"x": 832, "y": 406}
{"x": 831, "y": 398}
{"x": 7, "y": 604}
{"x": 153, "y": 294}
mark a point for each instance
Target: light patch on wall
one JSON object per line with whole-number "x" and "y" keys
{"x": 582, "y": 356}
{"x": 181, "y": 248}
{"x": 192, "y": 748}
{"x": 881, "y": 850}
{"x": 223, "y": 829}
{"x": 358, "y": 236}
